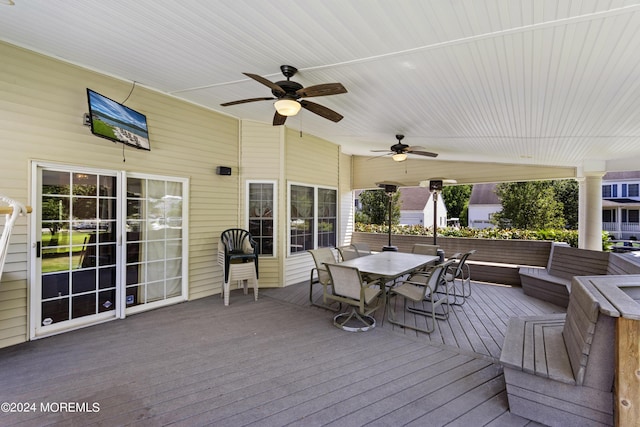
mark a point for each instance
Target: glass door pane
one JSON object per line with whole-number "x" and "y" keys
{"x": 154, "y": 241}
{"x": 77, "y": 269}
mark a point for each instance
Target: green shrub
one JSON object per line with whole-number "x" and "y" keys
{"x": 556, "y": 235}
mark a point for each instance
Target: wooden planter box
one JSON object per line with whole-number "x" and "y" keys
{"x": 495, "y": 260}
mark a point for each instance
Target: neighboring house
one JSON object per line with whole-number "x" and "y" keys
{"x": 416, "y": 207}
{"x": 483, "y": 203}
{"x": 621, "y": 204}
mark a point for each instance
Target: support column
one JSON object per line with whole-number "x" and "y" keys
{"x": 582, "y": 211}
{"x": 590, "y": 206}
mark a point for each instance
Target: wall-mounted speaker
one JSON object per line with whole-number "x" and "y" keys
{"x": 223, "y": 170}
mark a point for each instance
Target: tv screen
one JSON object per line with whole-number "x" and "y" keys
{"x": 112, "y": 120}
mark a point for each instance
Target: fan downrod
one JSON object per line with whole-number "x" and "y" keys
{"x": 399, "y": 138}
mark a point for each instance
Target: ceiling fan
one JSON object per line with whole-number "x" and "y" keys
{"x": 289, "y": 93}
{"x": 400, "y": 150}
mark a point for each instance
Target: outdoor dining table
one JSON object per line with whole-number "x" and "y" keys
{"x": 390, "y": 265}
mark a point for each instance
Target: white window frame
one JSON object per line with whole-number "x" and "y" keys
{"x": 274, "y": 212}
{"x": 315, "y": 213}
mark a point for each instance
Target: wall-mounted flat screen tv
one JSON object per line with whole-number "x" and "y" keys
{"x": 112, "y": 120}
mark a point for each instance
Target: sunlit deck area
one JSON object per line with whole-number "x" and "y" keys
{"x": 273, "y": 362}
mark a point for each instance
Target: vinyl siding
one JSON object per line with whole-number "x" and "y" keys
{"x": 314, "y": 161}
{"x": 42, "y": 103}
{"x": 346, "y": 200}
{"x": 262, "y": 159}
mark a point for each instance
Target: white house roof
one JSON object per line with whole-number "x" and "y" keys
{"x": 484, "y": 194}
{"x": 414, "y": 198}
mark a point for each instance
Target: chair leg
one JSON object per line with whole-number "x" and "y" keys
{"x": 394, "y": 321}
{"x": 225, "y": 292}
{"x": 255, "y": 289}
{"x": 324, "y": 299}
{"x": 368, "y": 322}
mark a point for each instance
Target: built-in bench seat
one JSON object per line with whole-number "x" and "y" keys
{"x": 559, "y": 368}
{"x": 553, "y": 283}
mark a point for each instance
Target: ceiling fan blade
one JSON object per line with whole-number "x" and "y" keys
{"x": 321, "y": 90}
{"x": 242, "y": 101}
{"x": 279, "y": 119}
{"x": 266, "y": 82}
{"x": 419, "y": 151}
{"x": 322, "y": 111}
{"x": 424, "y": 153}
{"x": 378, "y": 156}
{"x": 381, "y": 151}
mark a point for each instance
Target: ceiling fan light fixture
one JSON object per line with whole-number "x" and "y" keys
{"x": 287, "y": 107}
{"x": 399, "y": 157}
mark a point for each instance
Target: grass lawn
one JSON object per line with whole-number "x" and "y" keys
{"x": 53, "y": 258}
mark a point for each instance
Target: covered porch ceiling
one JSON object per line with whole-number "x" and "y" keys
{"x": 515, "y": 85}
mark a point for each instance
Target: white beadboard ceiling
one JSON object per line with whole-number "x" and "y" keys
{"x": 535, "y": 82}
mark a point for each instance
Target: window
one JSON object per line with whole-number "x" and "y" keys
{"x": 327, "y": 218}
{"x": 633, "y": 190}
{"x": 606, "y": 191}
{"x": 261, "y": 215}
{"x": 608, "y": 215}
{"x": 624, "y": 190}
{"x": 634, "y": 216}
{"x": 301, "y": 223}
{"x": 313, "y": 217}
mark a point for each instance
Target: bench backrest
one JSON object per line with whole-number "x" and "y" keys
{"x": 624, "y": 263}
{"x": 589, "y": 338}
{"x": 567, "y": 262}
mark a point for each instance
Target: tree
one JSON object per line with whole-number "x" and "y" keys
{"x": 456, "y": 199}
{"x": 375, "y": 206}
{"x": 529, "y": 205}
{"x": 567, "y": 193}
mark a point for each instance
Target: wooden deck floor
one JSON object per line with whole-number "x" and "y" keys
{"x": 273, "y": 362}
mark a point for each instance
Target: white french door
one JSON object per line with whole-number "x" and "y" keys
{"x": 106, "y": 244}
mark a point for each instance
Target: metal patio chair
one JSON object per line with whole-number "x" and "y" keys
{"x": 349, "y": 288}
{"x": 422, "y": 288}
{"x": 320, "y": 275}
{"x": 459, "y": 277}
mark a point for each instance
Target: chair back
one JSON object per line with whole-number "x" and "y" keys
{"x": 362, "y": 248}
{"x": 432, "y": 278}
{"x": 422, "y": 249}
{"x": 347, "y": 252}
{"x": 346, "y": 281}
{"x": 320, "y": 257}
{"x": 237, "y": 244}
{"x": 461, "y": 262}
{"x": 436, "y": 275}
{"x": 237, "y": 241}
